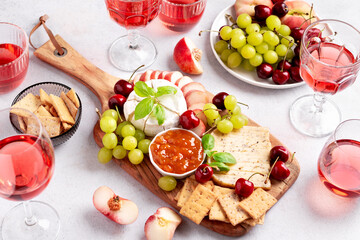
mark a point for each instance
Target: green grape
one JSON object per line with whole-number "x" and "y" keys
{"x": 213, "y": 122}
{"x": 236, "y": 31}
{"x": 290, "y": 54}
{"x": 143, "y": 145}
{"x": 139, "y": 135}
{"x": 254, "y": 27}
{"x": 271, "y": 47}
{"x": 273, "y": 22}
{"x": 255, "y": 38}
{"x": 220, "y": 46}
{"x": 230, "y": 102}
{"x": 246, "y": 120}
{"x": 238, "y": 41}
{"x": 248, "y": 51}
{"x": 136, "y": 156}
{"x": 128, "y": 130}
{"x": 119, "y": 152}
{"x": 271, "y": 38}
{"x": 167, "y": 183}
{"x": 210, "y": 111}
{"x": 284, "y": 30}
{"x": 256, "y": 60}
{"x": 281, "y": 50}
{"x": 225, "y": 54}
{"x": 225, "y": 33}
{"x": 288, "y": 41}
{"x": 234, "y": 60}
{"x": 237, "y": 121}
{"x": 104, "y": 155}
{"x": 236, "y": 110}
{"x": 107, "y": 124}
{"x": 225, "y": 126}
{"x": 120, "y": 126}
{"x": 243, "y": 20}
{"x": 111, "y": 113}
{"x": 262, "y": 48}
{"x": 129, "y": 143}
{"x": 110, "y": 140}
{"x": 247, "y": 66}
{"x": 271, "y": 57}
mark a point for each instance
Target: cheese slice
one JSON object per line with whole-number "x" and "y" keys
{"x": 149, "y": 124}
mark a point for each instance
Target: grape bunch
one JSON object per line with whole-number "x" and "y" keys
{"x": 121, "y": 140}
{"x": 232, "y": 119}
{"x": 261, "y": 43}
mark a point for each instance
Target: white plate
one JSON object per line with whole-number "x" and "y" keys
{"x": 246, "y": 76}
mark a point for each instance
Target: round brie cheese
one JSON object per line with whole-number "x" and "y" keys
{"x": 149, "y": 124}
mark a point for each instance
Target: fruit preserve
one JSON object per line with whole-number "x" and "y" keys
{"x": 177, "y": 151}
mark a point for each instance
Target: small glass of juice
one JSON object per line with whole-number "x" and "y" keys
{"x": 14, "y": 56}
{"x": 339, "y": 161}
{"x": 181, "y": 15}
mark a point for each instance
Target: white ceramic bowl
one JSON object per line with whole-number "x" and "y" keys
{"x": 164, "y": 173}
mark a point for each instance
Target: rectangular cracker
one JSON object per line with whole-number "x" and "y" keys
{"x": 230, "y": 203}
{"x": 44, "y": 97}
{"x": 41, "y": 111}
{"x": 73, "y": 97}
{"x": 53, "y": 112}
{"x": 199, "y": 204}
{"x": 51, "y": 125}
{"x": 258, "y": 203}
{"x": 29, "y": 102}
{"x": 70, "y": 105}
{"x": 186, "y": 191}
{"x": 61, "y": 109}
{"x": 216, "y": 211}
{"x": 252, "y": 222}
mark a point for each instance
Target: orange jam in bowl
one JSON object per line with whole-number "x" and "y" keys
{"x": 176, "y": 152}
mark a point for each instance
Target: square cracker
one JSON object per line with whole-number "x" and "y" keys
{"x": 29, "y": 102}
{"x": 188, "y": 188}
{"x": 70, "y": 105}
{"x": 61, "y": 109}
{"x": 258, "y": 203}
{"x": 44, "y": 98}
{"x": 73, "y": 97}
{"x": 216, "y": 211}
{"x": 41, "y": 111}
{"x": 51, "y": 125}
{"x": 199, "y": 204}
{"x": 230, "y": 203}
{"x": 252, "y": 222}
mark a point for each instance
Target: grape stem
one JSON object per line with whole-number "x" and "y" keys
{"x": 207, "y": 31}
{"x": 244, "y": 104}
{"x": 210, "y": 130}
{"x": 230, "y": 18}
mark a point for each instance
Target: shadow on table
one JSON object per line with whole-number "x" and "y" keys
{"x": 324, "y": 203}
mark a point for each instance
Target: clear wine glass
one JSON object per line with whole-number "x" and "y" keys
{"x": 330, "y": 62}
{"x": 132, "y": 50}
{"x": 26, "y": 167}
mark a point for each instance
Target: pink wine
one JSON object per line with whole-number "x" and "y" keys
{"x": 12, "y": 75}
{"x": 324, "y": 78}
{"x": 26, "y": 167}
{"x": 339, "y": 167}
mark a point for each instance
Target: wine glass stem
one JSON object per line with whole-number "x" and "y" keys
{"x": 133, "y": 35}
{"x": 30, "y": 219}
{"x": 319, "y": 100}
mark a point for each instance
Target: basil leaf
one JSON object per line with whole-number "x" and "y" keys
{"x": 219, "y": 166}
{"x": 208, "y": 141}
{"x": 224, "y": 157}
{"x": 160, "y": 114}
{"x": 209, "y": 153}
{"x": 144, "y": 108}
{"x": 142, "y": 89}
{"x": 164, "y": 90}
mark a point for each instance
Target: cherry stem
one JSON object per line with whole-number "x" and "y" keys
{"x": 117, "y": 110}
{"x": 207, "y": 31}
{"x": 136, "y": 71}
{"x": 230, "y": 18}
{"x": 268, "y": 176}
{"x": 219, "y": 110}
{"x": 98, "y": 113}
{"x": 292, "y": 157}
{"x": 209, "y": 130}
{"x": 255, "y": 174}
{"x": 206, "y": 169}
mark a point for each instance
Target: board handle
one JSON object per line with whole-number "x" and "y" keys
{"x": 74, "y": 64}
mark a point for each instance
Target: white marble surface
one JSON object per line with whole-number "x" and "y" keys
{"x": 307, "y": 210}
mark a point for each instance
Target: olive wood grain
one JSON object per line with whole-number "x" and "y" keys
{"x": 102, "y": 84}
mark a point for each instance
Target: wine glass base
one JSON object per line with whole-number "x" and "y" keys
{"x": 127, "y": 58}
{"x": 309, "y": 122}
{"x": 46, "y": 227}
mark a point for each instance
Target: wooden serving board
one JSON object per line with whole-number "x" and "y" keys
{"x": 101, "y": 84}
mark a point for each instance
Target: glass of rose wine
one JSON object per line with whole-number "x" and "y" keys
{"x": 339, "y": 161}
{"x": 132, "y": 50}
{"x": 26, "y": 167}
{"x": 330, "y": 62}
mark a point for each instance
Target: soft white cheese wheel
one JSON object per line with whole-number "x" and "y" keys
{"x": 150, "y": 126}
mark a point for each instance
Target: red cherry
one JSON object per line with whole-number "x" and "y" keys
{"x": 313, "y": 32}
{"x": 117, "y": 100}
{"x": 203, "y": 173}
{"x": 275, "y": 1}
{"x": 123, "y": 87}
{"x": 280, "y": 153}
{"x": 243, "y": 187}
{"x": 295, "y": 62}
{"x": 280, "y": 77}
{"x": 189, "y": 120}
{"x": 283, "y": 64}
{"x": 262, "y": 12}
{"x": 218, "y": 100}
{"x": 295, "y": 74}
{"x": 280, "y": 9}
{"x": 297, "y": 33}
{"x": 264, "y": 71}
{"x": 297, "y": 50}
{"x": 280, "y": 171}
